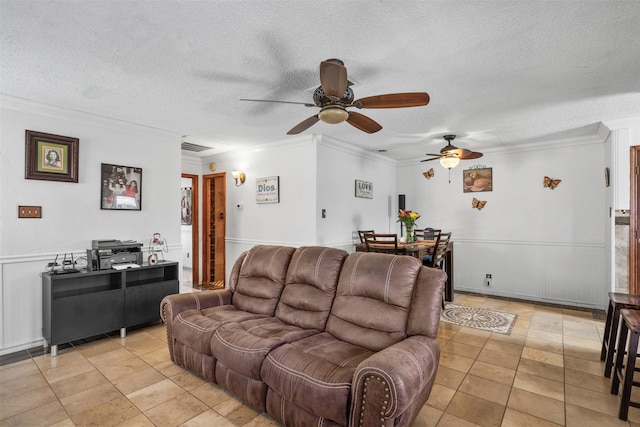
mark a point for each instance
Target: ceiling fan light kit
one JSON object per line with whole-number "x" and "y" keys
{"x": 450, "y": 155}
{"x": 333, "y": 115}
{"x": 334, "y": 96}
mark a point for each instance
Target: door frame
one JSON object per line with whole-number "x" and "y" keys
{"x": 206, "y": 222}
{"x": 195, "y": 230}
{"x": 634, "y": 223}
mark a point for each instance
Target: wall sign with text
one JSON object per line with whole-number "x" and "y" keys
{"x": 268, "y": 190}
{"x": 364, "y": 189}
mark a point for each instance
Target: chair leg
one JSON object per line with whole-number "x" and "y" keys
{"x": 628, "y": 376}
{"x": 607, "y": 331}
{"x": 617, "y": 368}
{"x": 611, "y": 346}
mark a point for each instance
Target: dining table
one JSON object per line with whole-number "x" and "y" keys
{"x": 419, "y": 249}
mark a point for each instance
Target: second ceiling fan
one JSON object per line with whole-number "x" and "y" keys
{"x": 450, "y": 155}
{"x": 334, "y": 96}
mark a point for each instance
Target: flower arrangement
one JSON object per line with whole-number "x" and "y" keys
{"x": 408, "y": 218}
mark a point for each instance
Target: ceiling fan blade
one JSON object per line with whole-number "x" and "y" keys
{"x": 471, "y": 155}
{"x": 394, "y": 100}
{"x": 434, "y": 158}
{"x": 306, "y": 104}
{"x": 363, "y": 122}
{"x": 333, "y": 78}
{"x": 431, "y": 154}
{"x": 304, "y": 125}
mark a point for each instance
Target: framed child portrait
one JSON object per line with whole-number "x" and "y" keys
{"x": 51, "y": 157}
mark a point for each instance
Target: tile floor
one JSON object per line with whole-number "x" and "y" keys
{"x": 546, "y": 373}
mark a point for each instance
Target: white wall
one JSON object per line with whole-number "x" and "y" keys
{"x": 71, "y": 214}
{"x": 315, "y": 173}
{"x": 538, "y": 244}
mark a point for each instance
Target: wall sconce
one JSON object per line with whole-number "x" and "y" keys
{"x": 239, "y": 177}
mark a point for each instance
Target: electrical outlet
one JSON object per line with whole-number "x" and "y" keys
{"x": 487, "y": 280}
{"x": 29, "y": 211}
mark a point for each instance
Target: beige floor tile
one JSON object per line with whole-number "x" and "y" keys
{"x": 52, "y": 412}
{"x": 440, "y": 397}
{"x": 453, "y": 361}
{"x": 110, "y": 413}
{"x": 176, "y": 411}
{"x": 98, "y": 347}
{"x": 543, "y": 356}
{"x": 541, "y": 369}
{"x": 137, "y": 421}
{"x": 583, "y": 417}
{"x": 493, "y": 372}
{"x": 210, "y": 394}
{"x": 89, "y": 398}
{"x": 28, "y": 400}
{"x": 486, "y": 389}
{"x": 543, "y": 345}
{"x": 472, "y": 336}
{"x": 187, "y": 380}
{"x": 512, "y": 338}
{"x": 110, "y": 357}
{"x": 63, "y": 366}
{"x": 20, "y": 385}
{"x": 18, "y": 370}
{"x": 427, "y": 417}
{"x": 509, "y": 361}
{"x": 476, "y": 410}
{"x": 539, "y": 385}
{"x": 513, "y": 418}
{"x": 207, "y": 419}
{"x": 598, "y": 383}
{"x": 600, "y": 402}
{"x": 537, "y": 405}
{"x": 582, "y": 348}
{"x": 503, "y": 347}
{"x": 461, "y": 349}
{"x": 236, "y": 411}
{"x": 79, "y": 383}
{"x": 584, "y": 365}
{"x": 155, "y": 394}
{"x": 449, "y": 420}
{"x": 450, "y": 378}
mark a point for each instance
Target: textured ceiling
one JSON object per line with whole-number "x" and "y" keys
{"x": 499, "y": 73}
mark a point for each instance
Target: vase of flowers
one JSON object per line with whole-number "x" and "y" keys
{"x": 408, "y": 218}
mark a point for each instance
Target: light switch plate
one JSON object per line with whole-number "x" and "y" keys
{"x": 29, "y": 211}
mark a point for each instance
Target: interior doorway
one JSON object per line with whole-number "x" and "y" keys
{"x": 190, "y": 218}
{"x": 214, "y": 195}
{"x": 634, "y": 223}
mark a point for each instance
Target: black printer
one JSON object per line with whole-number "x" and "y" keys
{"x": 107, "y": 254}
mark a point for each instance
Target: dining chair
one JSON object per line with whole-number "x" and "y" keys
{"x": 384, "y": 243}
{"x": 436, "y": 258}
{"x": 430, "y": 234}
{"x": 361, "y": 234}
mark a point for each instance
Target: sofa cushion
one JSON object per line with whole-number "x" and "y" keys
{"x": 315, "y": 373}
{"x": 261, "y": 279}
{"x": 373, "y": 299}
{"x": 194, "y": 328}
{"x": 310, "y": 287}
{"x": 242, "y": 346}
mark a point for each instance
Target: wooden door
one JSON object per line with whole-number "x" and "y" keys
{"x": 213, "y": 227}
{"x": 634, "y": 224}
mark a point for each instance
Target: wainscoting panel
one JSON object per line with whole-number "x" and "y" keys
{"x": 21, "y": 297}
{"x": 569, "y": 274}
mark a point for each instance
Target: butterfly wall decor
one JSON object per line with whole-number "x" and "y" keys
{"x": 428, "y": 174}
{"x": 551, "y": 183}
{"x": 478, "y": 204}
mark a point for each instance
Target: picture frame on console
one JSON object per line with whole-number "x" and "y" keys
{"x": 121, "y": 187}
{"x": 51, "y": 157}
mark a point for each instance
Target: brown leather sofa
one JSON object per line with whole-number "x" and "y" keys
{"x": 316, "y": 336}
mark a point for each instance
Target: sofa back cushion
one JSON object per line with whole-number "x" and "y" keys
{"x": 373, "y": 300}
{"x": 310, "y": 287}
{"x": 261, "y": 275}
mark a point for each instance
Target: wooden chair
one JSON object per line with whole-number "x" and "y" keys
{"x": 384, "y": 243}
{"x": 430, "y": 234}
{"x": 361, "y": 233}
{"x": 439, "y": 250}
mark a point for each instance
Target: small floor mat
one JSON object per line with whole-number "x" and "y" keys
{"x": 479, "y": 318}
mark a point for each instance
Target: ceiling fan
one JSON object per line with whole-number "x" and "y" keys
{"x": 334, "y": 96}
{"x": 450, "y": 155}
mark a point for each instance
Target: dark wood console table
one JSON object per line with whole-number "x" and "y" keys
{"x": 89, "y": 303}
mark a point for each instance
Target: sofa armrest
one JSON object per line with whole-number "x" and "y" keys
{"x": 172, "y": 305}
{"x": 395, "y": 382}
